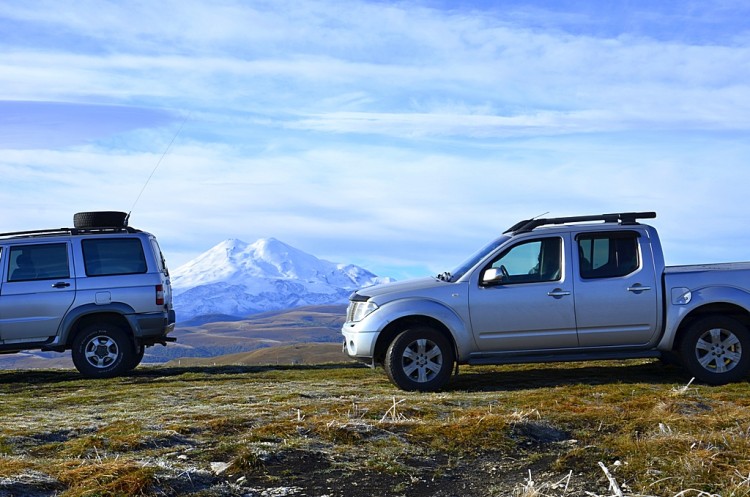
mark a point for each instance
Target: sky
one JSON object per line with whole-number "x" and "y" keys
{"x": 399, "y": 136}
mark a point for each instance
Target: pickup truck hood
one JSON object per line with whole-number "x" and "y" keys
{"x": 416, "y": 287}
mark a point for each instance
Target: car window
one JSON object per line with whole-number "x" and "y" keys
{"x": 113, "y": 256}
{"x": 608, "y": 255}
{"x": 38, "y": 262}
{"x": 532, "y": 261}
{"x": 161, "y": 263}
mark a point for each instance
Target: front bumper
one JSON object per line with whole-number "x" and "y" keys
{"x": 359, "y": 344}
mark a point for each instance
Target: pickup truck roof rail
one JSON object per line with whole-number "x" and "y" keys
{"x": 624, "y": 218}
{"x": 67, "y": 231}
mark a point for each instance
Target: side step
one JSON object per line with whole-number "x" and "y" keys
{"x": 523, "y": 358}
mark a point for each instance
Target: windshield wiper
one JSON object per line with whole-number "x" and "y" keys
{"x": 444, "y": 276}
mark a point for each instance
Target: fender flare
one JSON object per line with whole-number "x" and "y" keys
{"x": 701, "y": 298}
{"x": 74, "y": 315}
{"x": 419, "y": 308}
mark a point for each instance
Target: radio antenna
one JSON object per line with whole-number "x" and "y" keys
{"x": 158, "y": 163}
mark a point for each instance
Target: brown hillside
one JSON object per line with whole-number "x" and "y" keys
{"x": 299, "y": 353}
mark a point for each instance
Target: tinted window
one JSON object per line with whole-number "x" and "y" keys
{"x": 160, "y": 262}
{"x": 38, "y": 262}
{"x": 533, "y": 261}
{"x": 110, "y": 256}
{"x": 608, "y": 255}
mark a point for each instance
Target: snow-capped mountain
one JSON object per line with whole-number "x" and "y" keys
{"x": 235, "y": 278}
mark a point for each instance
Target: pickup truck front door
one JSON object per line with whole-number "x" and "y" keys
{"x": 36, "y": 291}
{"x": 616, "y": 291}
{"x": 529, "y": 303}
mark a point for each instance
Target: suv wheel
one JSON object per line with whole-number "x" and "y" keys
{"x": 100, "y": 219}
{"x": 716, "y": 350}
{"x": 419, "y": 359}
{"x": 102, "y": 351}
{"x": 140, "y": 350}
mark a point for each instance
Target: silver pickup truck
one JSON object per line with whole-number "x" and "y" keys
{"x": 558, "y": 289}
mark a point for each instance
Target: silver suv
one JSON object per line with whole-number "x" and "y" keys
{"x": 100, "y": 289}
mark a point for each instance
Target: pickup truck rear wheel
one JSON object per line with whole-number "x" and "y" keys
{"x": 102, "y": 351}
{"x": 419, "y": 358}
{"x": 716, "y": 350}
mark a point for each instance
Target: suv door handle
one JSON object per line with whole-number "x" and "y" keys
{"x": 557, "y": 292}
{"x": 61, "y": 284}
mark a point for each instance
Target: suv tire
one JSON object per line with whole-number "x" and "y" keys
{"x": 421, "y": 359}
{"x": 100, "y": 219}
{"x": 103, "y": 351}
{"x": 138, "y": 353}
{"x": 716, "y": 350}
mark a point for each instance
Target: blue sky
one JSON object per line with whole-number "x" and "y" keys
{"x": 399, "y": 136}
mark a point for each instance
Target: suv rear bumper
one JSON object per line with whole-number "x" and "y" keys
{"x": 155, "y": 325}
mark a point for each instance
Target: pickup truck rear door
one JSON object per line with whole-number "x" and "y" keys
{"x": 616, "y": 290}
{"x": 530, "y": 306}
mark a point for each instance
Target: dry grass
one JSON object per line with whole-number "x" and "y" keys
{"x": 105, "y": 478}
{"x": 520, "y": 430}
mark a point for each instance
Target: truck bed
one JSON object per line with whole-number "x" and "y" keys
{"x": 698, "y": 268}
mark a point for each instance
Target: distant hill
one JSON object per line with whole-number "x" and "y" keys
{"x": 311, "y": 324}
{"x": 268, "y": 329}
{"x": 296, "y": 354}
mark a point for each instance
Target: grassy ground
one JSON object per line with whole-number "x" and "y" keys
{"x": 343, "y": 430}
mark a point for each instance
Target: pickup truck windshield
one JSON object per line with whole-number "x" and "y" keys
{"x": 474, "y": 259}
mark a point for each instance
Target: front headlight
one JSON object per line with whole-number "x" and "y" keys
{"x": 360, "y": 310}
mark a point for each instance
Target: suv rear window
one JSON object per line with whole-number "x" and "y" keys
{"x": 111, "y": 256}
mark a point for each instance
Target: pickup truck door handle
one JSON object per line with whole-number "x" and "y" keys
{"x": 638, "y": 288}
{"x": 558, "y": 292}
{"x": 61, "y": 284}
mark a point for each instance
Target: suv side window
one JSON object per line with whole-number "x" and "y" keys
{"x": 608, "y": 255}
{"x": 532, "y": 261}
{"x": 113, "y": 256}
{"x": 160, "y": 262}
{"x": 38, "y": 262}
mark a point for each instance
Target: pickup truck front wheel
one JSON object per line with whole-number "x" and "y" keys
{"x": 716, "y": 350}
{"x": 419, "y": 359}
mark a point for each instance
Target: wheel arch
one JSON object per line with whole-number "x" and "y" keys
{"x": 394, "y": 328}
{"x": 84, "y": 319}
{"x": 727, "y": 309}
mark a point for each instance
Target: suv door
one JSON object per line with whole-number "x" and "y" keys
{"x": 37, "y": 289}
{"x": 529, "y": 305}
{"x": 616, "y": 293}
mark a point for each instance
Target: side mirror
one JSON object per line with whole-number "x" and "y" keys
{"x": 492, "y": 276}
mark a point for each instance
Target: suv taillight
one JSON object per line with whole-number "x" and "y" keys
{"x": 159, "y": 294}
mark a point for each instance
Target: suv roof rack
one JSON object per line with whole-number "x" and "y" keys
{"x": 624, "y": 218}
{"x": 69, "y": 231}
